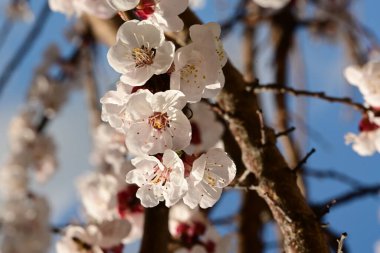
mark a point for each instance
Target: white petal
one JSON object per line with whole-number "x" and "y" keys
{"x": 163, "y": 58}
{"x": 163, "y": 101}
{"x": 353, "y": 75}
{"x": 147, "y": 196}
{"x": 123, "y": 5}
{"x": 180, "y": 129}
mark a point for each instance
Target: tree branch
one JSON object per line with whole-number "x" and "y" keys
{"x": 320, "y": 95}
{"x": 26, "y": 45}
{"x": 351, "y": 196}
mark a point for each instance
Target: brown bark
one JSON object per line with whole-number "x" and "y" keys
{"x": 156, "y": 231}
{"x": 276, "y": 182}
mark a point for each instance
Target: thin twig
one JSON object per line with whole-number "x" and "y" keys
{"x": 352, "y": 195}
{"x": 286, "y": 132}
{"x": 320, "y": 95}
{"x": 335, "y": 175}
{"x": 304, "y": 160}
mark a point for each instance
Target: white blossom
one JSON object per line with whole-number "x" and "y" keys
{"x": 49, "y": 94}
{"x": 25, "y": 224}
{"x": 109, "y": 234}
{"x": 274, "y": 4}
{"x": 364, "y": 143}
{"x": 158, "y": 180}
{"x": 63, "y": 6}
{"x": 21, "y": 131}
{"x": 44, "y": 159}
{"x": 123, "y": 5}
{"x": 113, "y": 106}
{"x": 35, "y": 149}
{"x": 197, "y": 4}
{"x": 77, "y": 240}
{"x": 211, "y": 172}
{"x": 14, "y": 178}
{"x": 140, "y": 52}
{"x": 367, "y": 79}
{"x": 99, "y": 8}
{"x": 163, "y": 13}
{"x": 367, "y": 142}
{"x": 109, "y": 148}
{"x": 195, "y": 69}
{"x": 208, "y": 35}
{"x": 98, "y": 194}
{"x": 155, "y": 122}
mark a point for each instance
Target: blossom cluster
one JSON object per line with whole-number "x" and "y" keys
{"x": 175, "y": 157}
{"x": 24, "y": 215}
{"x": 161, "y": 140}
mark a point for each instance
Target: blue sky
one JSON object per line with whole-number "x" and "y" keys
{"x": 322, "y": 62}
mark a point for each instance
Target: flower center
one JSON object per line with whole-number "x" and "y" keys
{"x": 159, "y": 120}
{"x": 143, "y": 56}
{"x": 160, "y": 176}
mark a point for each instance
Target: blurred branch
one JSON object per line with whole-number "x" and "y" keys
{"x": 4, "y": 31}
{"x": 351, "y": 196}
{"x": 26, "y": 46}
{"x": 331, "y": 174}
